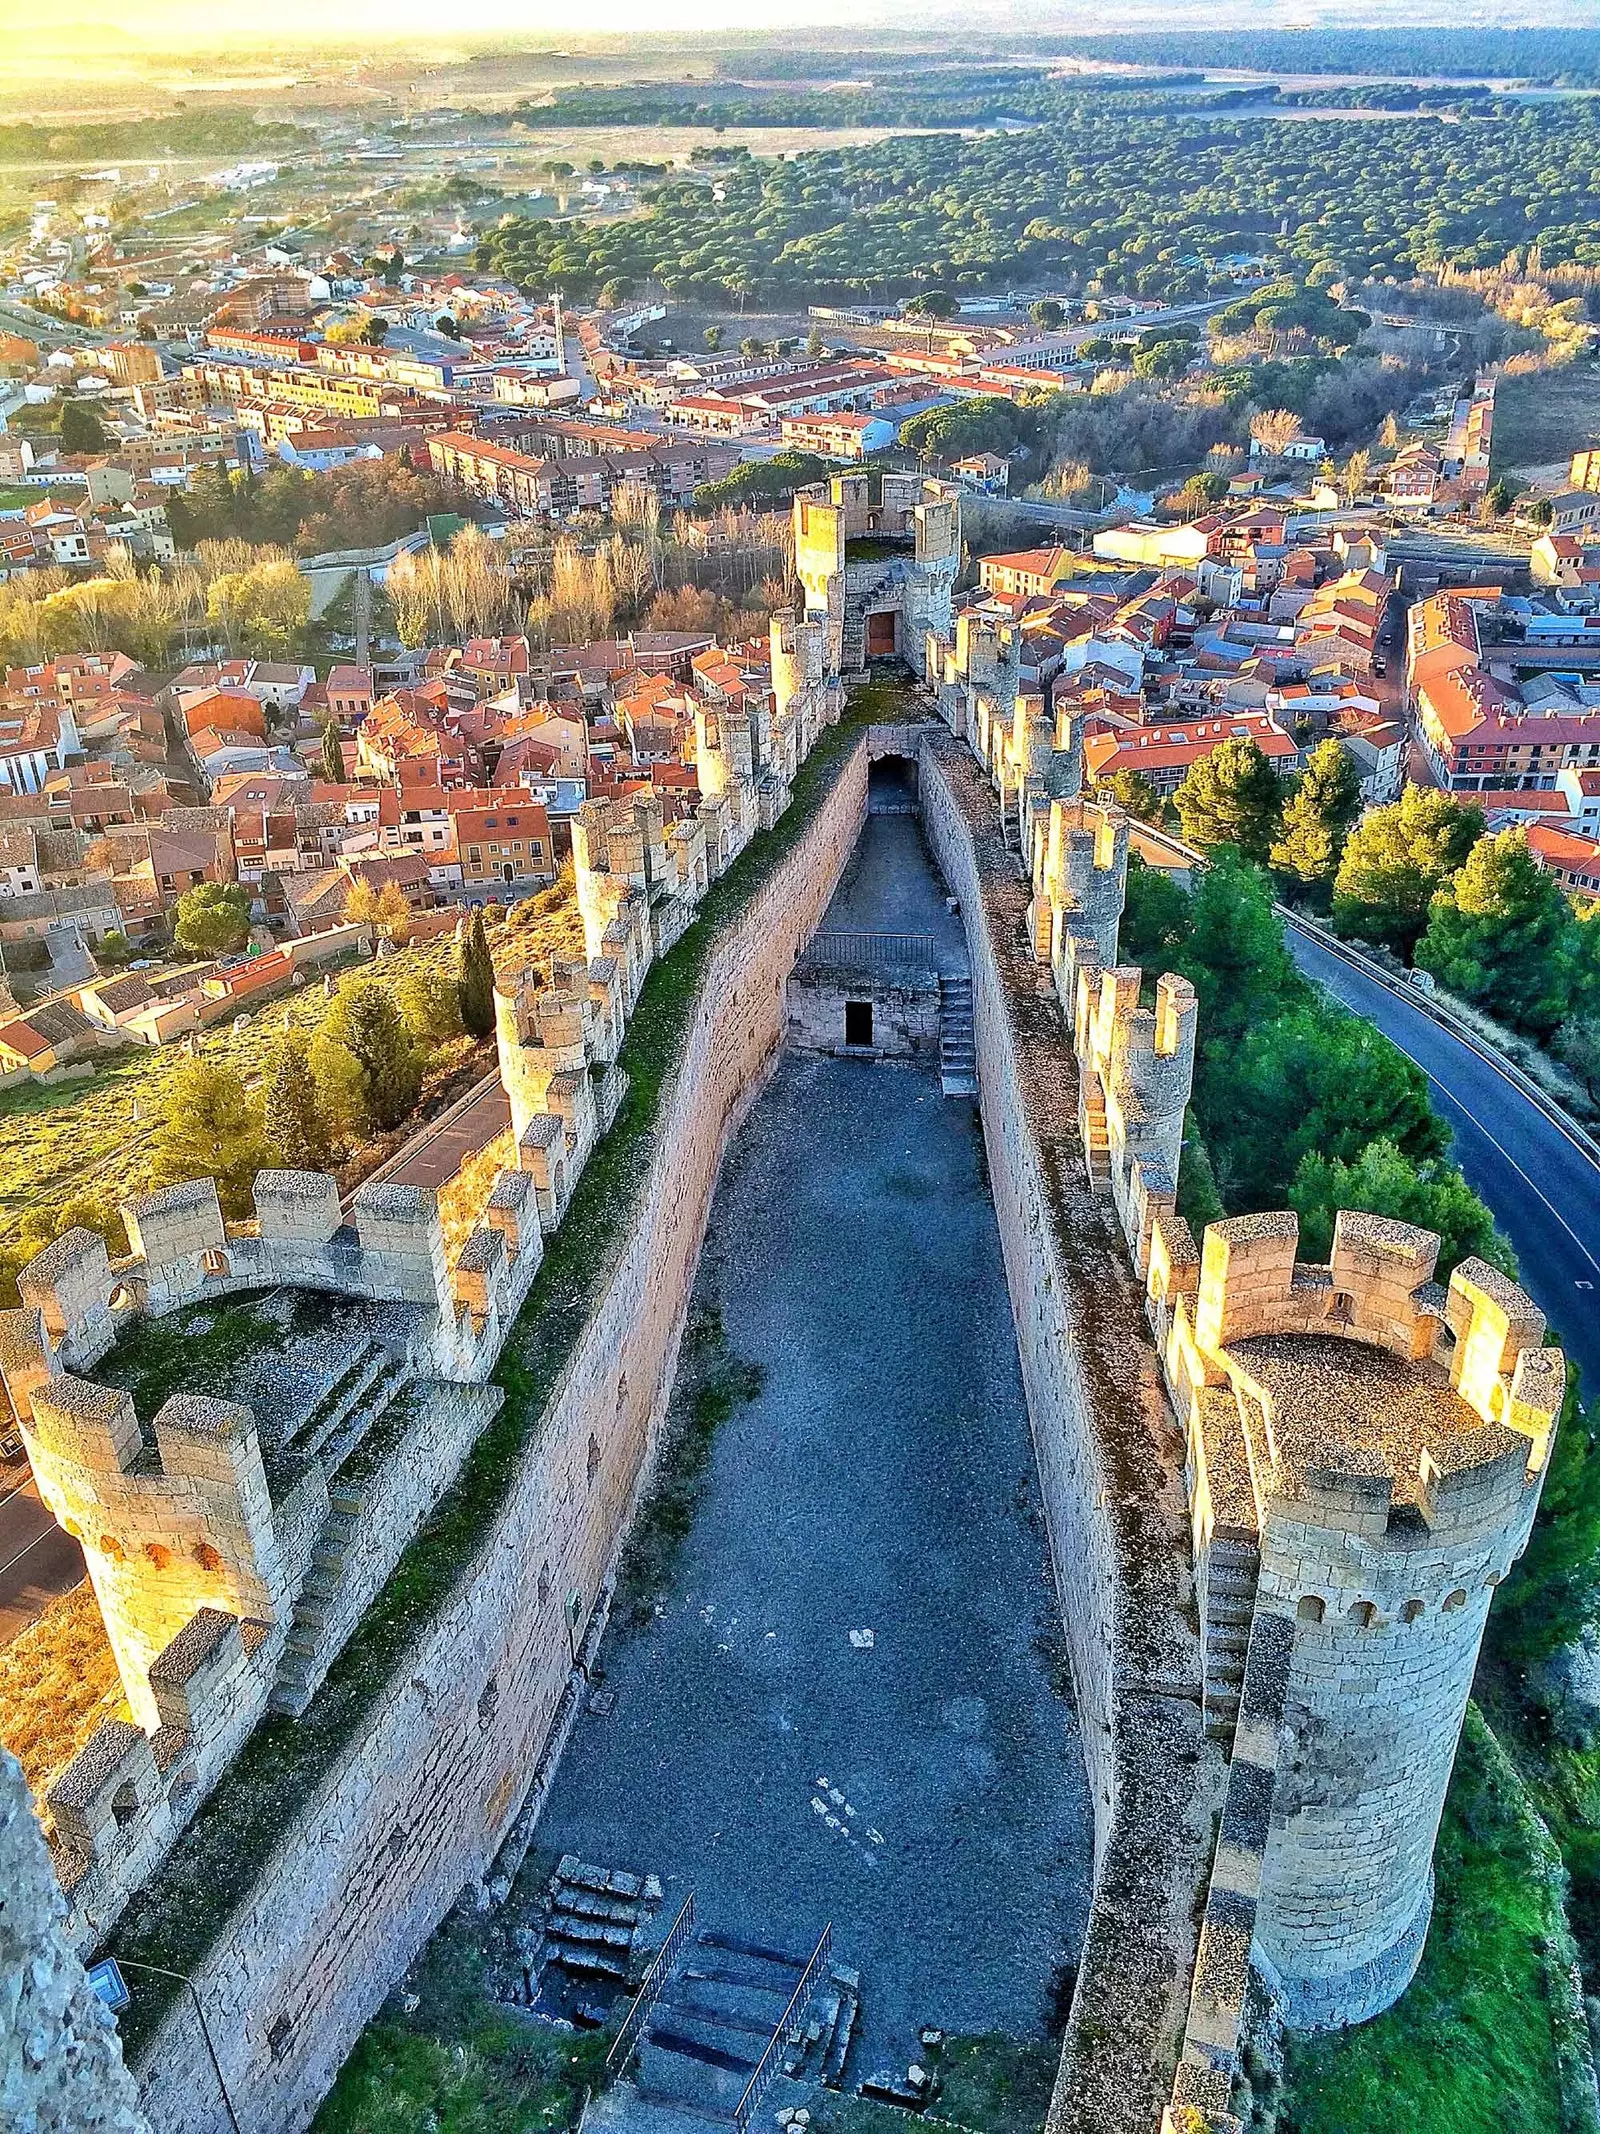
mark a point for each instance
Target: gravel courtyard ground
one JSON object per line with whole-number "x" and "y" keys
{"x": 848, "y": 1707}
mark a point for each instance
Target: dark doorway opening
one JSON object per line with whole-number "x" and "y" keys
{"x": 892, "y": 786}
{"x": 882, "y": 634}
{"x": 858, "y": 1022}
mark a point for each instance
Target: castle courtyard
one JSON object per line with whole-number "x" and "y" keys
{"x": 849, "y": 1708}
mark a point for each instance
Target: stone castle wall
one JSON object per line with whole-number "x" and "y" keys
{"x": 418, "y": 1799}
{"x": 61, "y": 2068}
{"x": 1111, "y": 1472}
{"x": 905, "y": 1010}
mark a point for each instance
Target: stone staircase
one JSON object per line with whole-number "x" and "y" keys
{"x": 365, "y": 1410}
{"x": 1230, "y": 1600}
{"x": 352, "y": 1403}
{"x": 303, "y": 1663}
{"x": 1096, "y": 1137}
{"x": 819, "y": 2052}
{"x": 958, "y": 1054}
{"x": 599, "y": 1920}
{"x": 720, "y": 2013}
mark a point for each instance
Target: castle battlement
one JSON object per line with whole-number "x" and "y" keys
{"x": 1080, "y": 876}
{"x": 1366, "y": 1452}
{"x": 170, "y": 1522}
{"x": 877, "y": 554}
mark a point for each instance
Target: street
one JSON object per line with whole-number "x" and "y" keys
{"x": 1543, "y": 1187}
{"x": 37, "y": 1560}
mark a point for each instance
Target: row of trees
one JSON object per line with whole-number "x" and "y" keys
{"x": 1422, "y": 878}
{"x": 364, "y": 505}
{"x": 251, "y": 599}
{"x": 1425, "y": 879}
{"x": 1234, "y": 797}
{"x": 727, "y": 566}
{"x": 446, "y": 595}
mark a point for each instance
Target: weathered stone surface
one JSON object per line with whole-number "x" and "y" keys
{"x": 61, "y": 2068}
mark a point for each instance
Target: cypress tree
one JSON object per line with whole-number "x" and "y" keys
{"x": 294, "y": 1122}
{"x": 476, "y": 979}
{"x": 332, "y": 754}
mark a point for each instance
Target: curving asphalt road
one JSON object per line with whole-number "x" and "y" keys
{"x": 37, "y": 1560}
{"x": 1543, "y": 1186}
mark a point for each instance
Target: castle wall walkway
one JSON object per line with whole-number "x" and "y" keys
{"x": 881, "y": 1481}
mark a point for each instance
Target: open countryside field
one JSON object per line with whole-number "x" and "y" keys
{"x": 1547, "y": 415}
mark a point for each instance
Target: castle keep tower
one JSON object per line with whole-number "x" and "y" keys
{"x": 878, "y": 556}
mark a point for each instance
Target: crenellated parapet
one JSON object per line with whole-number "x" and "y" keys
{"x": 877, "y": 555}
{"x": 1080, "y": 876}
{"x": 389, "y": 1247}
{"x": 170, "y": 1522}
{"x": 235, "y": 1543}
{"x": 1366, "y": 1453}
{"x": 1135, "y": 1069}
{"x": 610, "y": 855}
{"x": 639, "y": 883}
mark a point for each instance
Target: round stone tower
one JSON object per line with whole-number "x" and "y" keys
{"x": 1388, "y": 1442}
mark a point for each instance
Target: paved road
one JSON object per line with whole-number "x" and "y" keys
{"x": 1544, "y": 1189}
{"x": 37, "y": 1560}
{"x": 48, "y": 331}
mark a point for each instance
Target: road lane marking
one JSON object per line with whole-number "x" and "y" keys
{"x": 1479, "y": 1127}
{"x": 1473, "y": 1047}
{"x": 49, "y": 1533}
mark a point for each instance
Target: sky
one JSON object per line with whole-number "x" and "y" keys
{"x": 132, "y": 25}
{"x": 170, "y": 23}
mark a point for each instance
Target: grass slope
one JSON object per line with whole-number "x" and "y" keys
{"x": 1546, "y": 415}
{"x": 1471, "y": 2048}
{"x": 459, "y": 2063}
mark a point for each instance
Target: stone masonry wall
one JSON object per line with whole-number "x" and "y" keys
{"x": 419, "y": 1800}
{"x": 905, "y": 1010}
{"x": 1111, "y": 1468}
{"x": 61, "y": 2071}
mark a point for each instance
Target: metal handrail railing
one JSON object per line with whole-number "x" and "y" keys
{"x": 650, "y": 1987}
{"x": 767, "y": 2066}
{"x": 835, "y": 944}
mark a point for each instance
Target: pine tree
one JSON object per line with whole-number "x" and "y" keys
{"x": 1395, "y": 859}
{"x": 293, "y": 1115}
{"x": 1232, "y": 797}
{"x": 332, "y": 754}
{"x": 367, "y": 1066}
{"x": 477, "y": 980}
{"x": 1317, "y": 818}
{"x": 210, "y": 1129}
{"x": 1502, "y": 932}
